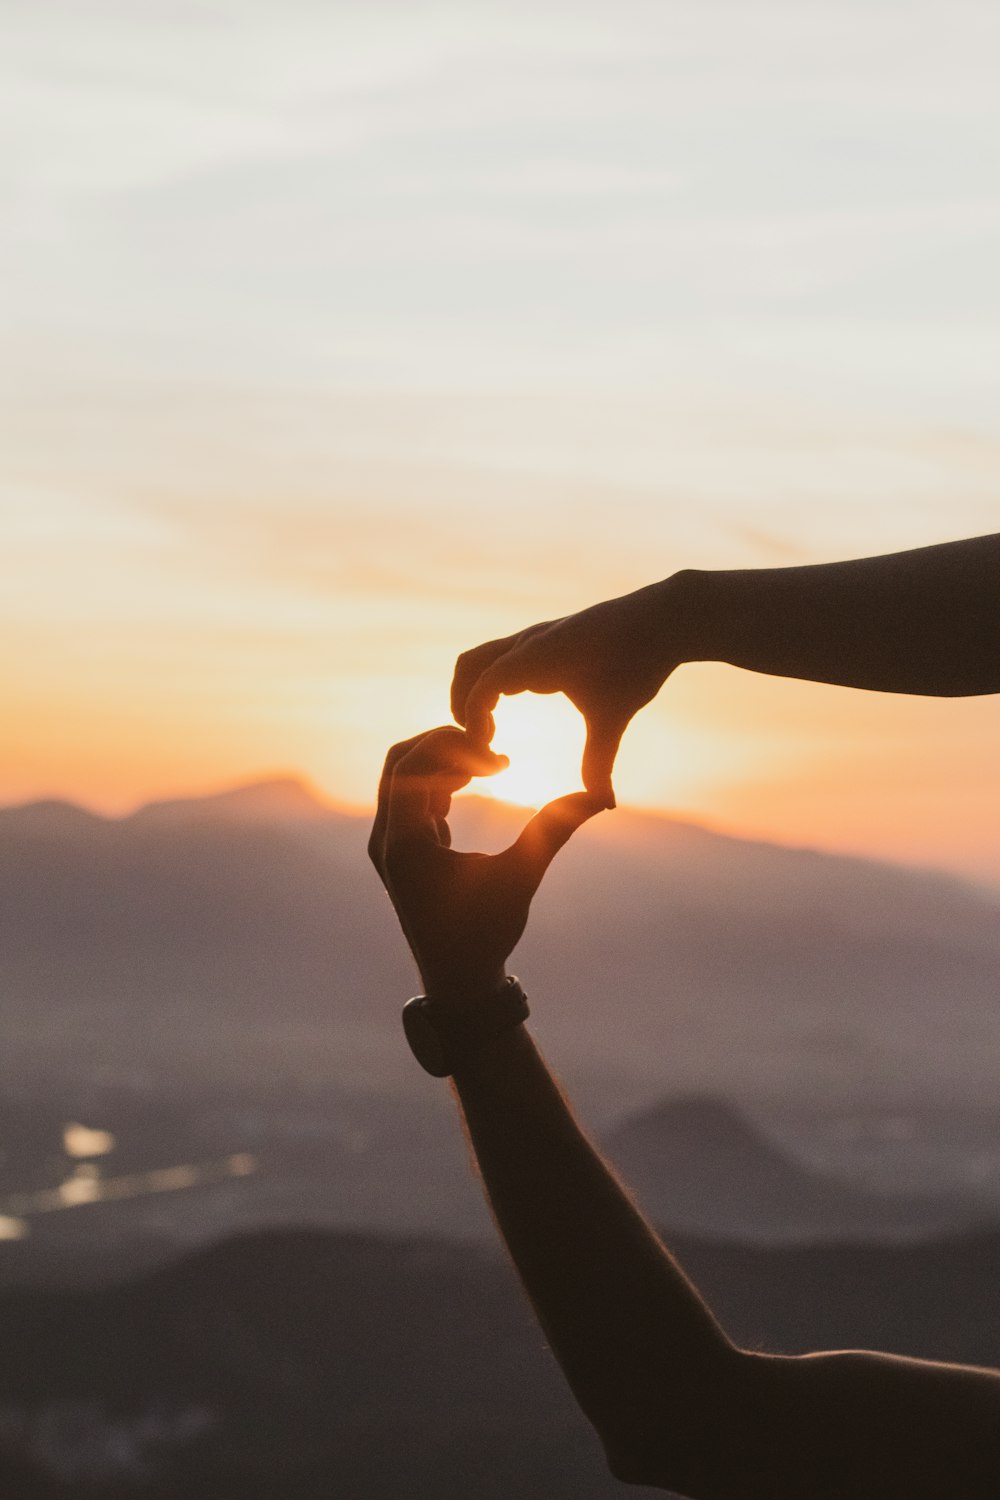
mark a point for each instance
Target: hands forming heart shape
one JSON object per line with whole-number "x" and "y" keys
{"x": 462, "y": 912}
{"x": 628, "y": 1328}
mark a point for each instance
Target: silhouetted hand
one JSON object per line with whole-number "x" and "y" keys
{"x": 608, "y": 660}
{"x": 462, "y": 913}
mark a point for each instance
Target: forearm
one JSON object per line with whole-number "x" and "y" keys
{"x": 925, "y": 621}
{"x": 676, "y": 1405}
{"x": 868, "y": 1425}
{"x": 642, "y": 1353}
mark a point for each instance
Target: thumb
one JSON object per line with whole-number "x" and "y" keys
{"x": 550, "y": 828}
{"x": 604, "y": 735}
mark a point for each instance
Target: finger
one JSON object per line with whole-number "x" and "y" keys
{"x": 451, "y": 755}
{"x": 443, "y": 788}
{"x": 507, "y": 675}
{"x": 548, "y": 831}
{"x": 442, "y": 760}
{"x": 477, "y": 715}
{"x": 604, "y": 736}
{"x": 376, "y": 841}
{"x": 483, "y": 674}
{"x": 470, "y": 667}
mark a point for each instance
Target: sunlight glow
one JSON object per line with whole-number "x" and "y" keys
{"x": 544, "y": 737}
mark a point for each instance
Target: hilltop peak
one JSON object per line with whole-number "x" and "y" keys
{"x": 276, "y": 798}
{"x": 694, "y": 1122}
{"x": 51, "y": 814}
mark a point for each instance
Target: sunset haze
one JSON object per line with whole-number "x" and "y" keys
{"x": 338, "y": 340}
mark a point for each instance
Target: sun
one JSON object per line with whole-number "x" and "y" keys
{"x": 544, "y": 737}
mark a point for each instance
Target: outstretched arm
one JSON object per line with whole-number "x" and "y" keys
{"x": 646, "y": 1360}
{"x": 926, "y": 621}
{"x": 675, "y": 1403}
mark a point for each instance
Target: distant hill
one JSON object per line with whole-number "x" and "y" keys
{"x": 724, "y": 965}
{"x": 400, "y": 1166}
{"x": 280, "y": 799}
{"x": 697, "y": 1165}
{"x": 298, "y": 1365}
{"x": 661, "y": 957}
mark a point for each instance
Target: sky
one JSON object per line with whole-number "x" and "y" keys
{"x": 339, "y": 337}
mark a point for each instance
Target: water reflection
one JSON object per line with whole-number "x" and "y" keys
{"x": 83, "y": 1187}
{"x": 86, "y": 1185}
{"x": 81, "y": 1140}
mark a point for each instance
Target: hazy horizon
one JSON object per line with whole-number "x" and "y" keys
{"x": 288, "y": 793}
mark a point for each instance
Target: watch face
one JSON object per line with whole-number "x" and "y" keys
{"x": 425, "y": 1044}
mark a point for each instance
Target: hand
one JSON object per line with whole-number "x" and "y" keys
{"x": 608, "y": 660}
{"x": 462, "y": 913}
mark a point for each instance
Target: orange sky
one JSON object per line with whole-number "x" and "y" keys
{"x": 200, "y": 666}
{"x": 335, "y": 347}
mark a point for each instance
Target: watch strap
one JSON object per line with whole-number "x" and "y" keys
{"x": 443, "y": 1037}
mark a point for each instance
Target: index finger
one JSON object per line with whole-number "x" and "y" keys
{"x": 441, "y": 761}
{"x": 469, "y": 668}
{"x": 498, "y": 667}
{"x": 376, "y": 839}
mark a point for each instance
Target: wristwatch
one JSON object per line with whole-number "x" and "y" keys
{"x": 443, "y": 1037}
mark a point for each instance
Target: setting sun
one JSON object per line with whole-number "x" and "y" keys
{"x": 544, "y": 737}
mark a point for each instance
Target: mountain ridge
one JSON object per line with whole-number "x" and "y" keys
{"x": 701, "y": 1166}
{"x": 299, "y": 1361}
{"x": 291, "y": 797}
{"x": 657, "y": 951}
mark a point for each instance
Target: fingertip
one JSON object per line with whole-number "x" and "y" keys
{"x": 478, "y": 712}
{"x": 482, "y": 761}
{"x": 595, "y": 804}
{"x": 550, "y": 829}
{"x": 569, "y": 812}
{"x": 481, "y": 727}
{"x": 603, "y": 794}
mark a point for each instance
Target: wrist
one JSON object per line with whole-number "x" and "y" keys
{"x": 456, "y": 991}
{"x": 448, "y": 1040}
{"x": 685, "y": 615}
{"x": 495, "y": 1066}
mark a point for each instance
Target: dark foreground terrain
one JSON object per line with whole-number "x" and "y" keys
{"x": 299, "y": 1364}
{"x": 199, "y": 1006}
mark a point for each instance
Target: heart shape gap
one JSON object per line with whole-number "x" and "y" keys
{"x": 544, "y": 738}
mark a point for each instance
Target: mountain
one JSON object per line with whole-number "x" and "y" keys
{"x": 718, "y": 964}
{"x": 660, "y": 958}
{"x": 699, "y": 1166}
{"x": 223, "y": 975}
{"x": 280, "y": 799}
{"x": 387, "y": 1165}
{"x": 51, "y": 815}
{"x": 293, "y": 1365}
{"x": 181, "y": 922}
